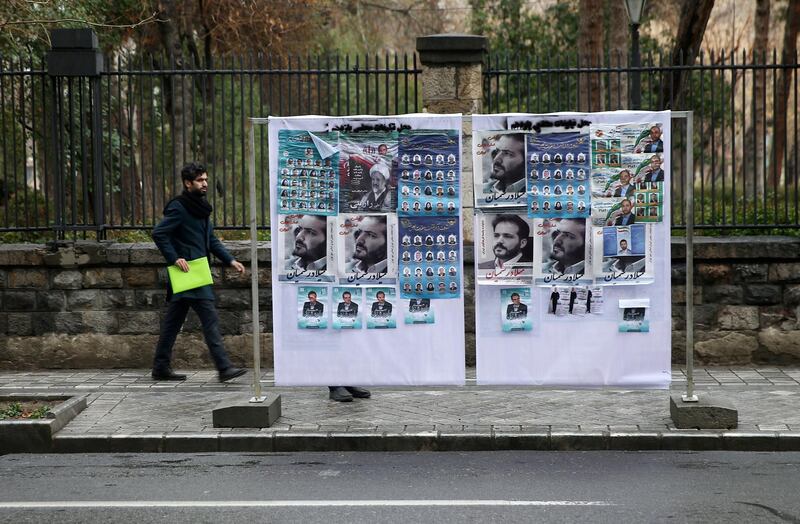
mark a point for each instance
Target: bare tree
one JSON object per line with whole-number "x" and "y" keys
{"x": 590, "y": 43}
{"x": 691, "y": 29}
{"x": 618, "y": 54}
{"x": 755, "y": 135}
{"x": 784, "y": 87}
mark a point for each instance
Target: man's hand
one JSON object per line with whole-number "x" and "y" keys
{"x": 181, "y": 263}
{"x": 237, "y": 266}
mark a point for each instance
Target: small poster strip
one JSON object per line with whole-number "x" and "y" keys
{"x": 382, "y": 313}
{"x": 623, "y": 255}
{"x": 311, "y": 307}
{"x": 348, "y": 312}
{"x": 515, "y": 309}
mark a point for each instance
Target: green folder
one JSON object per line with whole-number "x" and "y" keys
{"x": 199, "y": 275}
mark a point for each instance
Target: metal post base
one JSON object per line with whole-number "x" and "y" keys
{"x": 689, "y": 398}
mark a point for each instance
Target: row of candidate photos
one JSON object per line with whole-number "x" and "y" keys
{"x": 410, "y": 172}
{"x": 340, "y": 221}
{"x": 364, "y": 249}
{"x": 588, "y": 193}
{"x": 516, "y": 306}
{"x": 377, "y": 307}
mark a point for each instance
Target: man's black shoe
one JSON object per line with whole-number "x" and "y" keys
{"x": 167, "y": 375}
{"x": 340, "y": 394}
{"x": 231, "y": 373}
{"x": 358, "y": 392}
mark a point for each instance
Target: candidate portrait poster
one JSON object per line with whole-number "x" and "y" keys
{"x": 419, "y": 311}
{"x": 367, "y": 178}
{"x": 312, "y": 307}
{"x": 382, "y": 307}
{"x": 515, "y": 309}
{"x": 306, "y": 248}
{"x": 308, "y": 176}
{"x": 499, "y": 164}
{"x": 349, "y": 308}
{"x": 561, "y": 251}
{"x": 367, "y": 249}
{"x": 504, "y": 248}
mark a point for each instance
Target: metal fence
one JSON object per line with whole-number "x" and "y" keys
{"x": 85, "y": 156}
{"x": 745, "y": 115}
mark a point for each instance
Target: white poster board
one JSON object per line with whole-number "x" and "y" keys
{"x": 370, "y": 347}
{"x": 580, "y": 348}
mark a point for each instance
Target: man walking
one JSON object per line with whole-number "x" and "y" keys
{"x": 184, "y": 234}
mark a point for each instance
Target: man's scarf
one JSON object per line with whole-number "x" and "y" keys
{"x": 195, "y": 204}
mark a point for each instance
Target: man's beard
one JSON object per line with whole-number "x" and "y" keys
{"x": 197, "y": 192}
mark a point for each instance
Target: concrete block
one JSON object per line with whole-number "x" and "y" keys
{"x": 245, "y": 414}
{"x": 28, "y": 278}
{"x": 70, "y": 279}
{"x": 706, "y": 413}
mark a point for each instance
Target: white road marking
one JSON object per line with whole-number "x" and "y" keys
{"x": 288, "y": 503}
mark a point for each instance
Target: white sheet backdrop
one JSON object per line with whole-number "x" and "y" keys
{"x": 409, "y": 355}
{"x": 583, "y": 351}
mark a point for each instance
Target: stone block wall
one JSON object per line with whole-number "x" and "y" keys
{"x": 99, "y": 305}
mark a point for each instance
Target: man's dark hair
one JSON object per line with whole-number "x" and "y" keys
{"x": 514, "y": 295}
{"x": 347, "y": 293}
{"x": 191, "y": 171}
{"x": 522, "y": 227}
{"x": 312, "y": 293}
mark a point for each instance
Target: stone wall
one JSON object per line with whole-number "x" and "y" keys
{"x": 99, "y": 305}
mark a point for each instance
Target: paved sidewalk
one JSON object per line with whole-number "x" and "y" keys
{"x": 128, "y": 411}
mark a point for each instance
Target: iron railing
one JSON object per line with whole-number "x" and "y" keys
{"x": 85, "y": 156}
{"x": 745, "y": 115}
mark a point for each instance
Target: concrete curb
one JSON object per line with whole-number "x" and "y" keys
{"x": 36, "y": 436}
{"x": 283, "y": 441}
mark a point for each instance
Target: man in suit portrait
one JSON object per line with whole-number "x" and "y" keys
{"x": 625, "y": 218}
{"x": 347, "y": 308}
{"x": 516, "y": 310}
{"x": 381, "y": 308}
{"x": 623, "y": 248}
{"x": 510, "y": 239}
{"x": 652, "y": 143}
{"x": 656, "y": 174}
{"x": 625, "y": 188}
{"x": 312, "y": 308}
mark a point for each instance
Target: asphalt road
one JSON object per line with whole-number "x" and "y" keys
{"x": 402, "y": 487}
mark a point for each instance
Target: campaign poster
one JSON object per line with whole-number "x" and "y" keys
{"x": 348, "y": 312}
{"x": 638, "y": 173}
{"x": 633, "y": 315}
{"x": 595, "y": 300}
{"x": 561, "y": 251}
{"x": 306, "y": 248}
{"x": 557, "y": 170}
{"x": 312, "y": 307}
{"x": 430, "y": 166}
{"x": 430, "y": 257}
{"x": 308, "y": 178}
{"x": 381, "y": 307}
{"x": 576, "y": 301}
{"x": 367, "y": 172}
{"x": 623, "y": 255}
{"x": 504, "y": 248}
{"x": 367, "y": 249}
{"x": 515, "y": 309}
{"x": 499, "y": 169}
{"x": 419, "y": 311}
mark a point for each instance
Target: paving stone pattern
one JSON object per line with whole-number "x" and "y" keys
{"x": 127, "y": 402}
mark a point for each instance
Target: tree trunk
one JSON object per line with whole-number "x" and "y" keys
{"x": 179, "y": 89}
{"x": 618, "y": 38}
{"x": 691, "y": 29}
{"x": 784, "y": 88}
{"x": 590, "y": 44}
{"x": 756, "y": 132}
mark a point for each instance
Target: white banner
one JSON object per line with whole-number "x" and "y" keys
{"x": 356, "y": 328}
{"x": 576, "y": 338}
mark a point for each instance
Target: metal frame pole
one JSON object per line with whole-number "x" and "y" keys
{"x": 251, "y": 161}
{"x": 689, "y": 199}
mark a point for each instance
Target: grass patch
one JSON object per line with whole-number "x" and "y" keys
{"x": 26, "y": 409}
